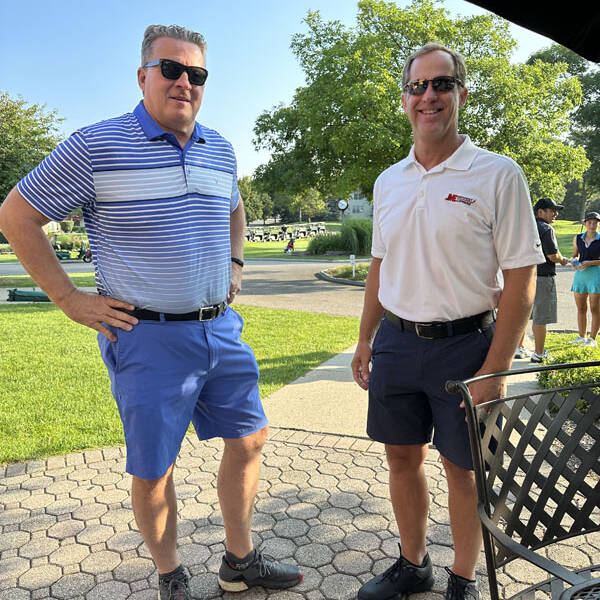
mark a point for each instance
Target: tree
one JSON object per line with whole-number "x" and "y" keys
{"x": 258, "y": 205}
{"x": 27, "y": 135}
{"x": 586, "y": 128}
{"x": 576, "y": 65}
{"x": 308, "y": 204}
{"x": 346, "y": 124}
{"x": 585, "y": 122}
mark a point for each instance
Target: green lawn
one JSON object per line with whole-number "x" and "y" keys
{"x": 565, "y": 231}
{"x": 55, "y": 390}
{"x": 8, "y": 258}
{"x": 273, "y": 249}
{"x": 24, "y": 281}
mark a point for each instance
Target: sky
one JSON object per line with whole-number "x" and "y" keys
{"x": 80, "y": 57}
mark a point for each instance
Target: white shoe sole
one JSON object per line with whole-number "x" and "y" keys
{"x": 232, "y": 586}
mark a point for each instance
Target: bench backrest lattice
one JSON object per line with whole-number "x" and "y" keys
{"x": 537, "y": 467}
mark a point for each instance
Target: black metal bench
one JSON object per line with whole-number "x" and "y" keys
{"x": 536, "y": 458}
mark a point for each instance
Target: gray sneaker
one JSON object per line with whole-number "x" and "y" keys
{"x": 460, "y": 588}
{"x": 174, "y": 587}
{"x": 263, "y": 570}
{"x": 403, "y": 577}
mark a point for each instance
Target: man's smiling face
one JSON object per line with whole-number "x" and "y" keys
{"x": 172, "y": 104}
{"x": 434, "y": 114}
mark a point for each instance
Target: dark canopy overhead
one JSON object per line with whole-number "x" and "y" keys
{"x": 575, "y": 24}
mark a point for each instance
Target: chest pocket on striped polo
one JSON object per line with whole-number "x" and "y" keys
{"x": 208, "y": 182}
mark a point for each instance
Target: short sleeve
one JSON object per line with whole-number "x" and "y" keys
{"x": 377, "y": 245}
{"x": 515, "y": 232}
{"x": 235, "y": 192}
{"x": 549, "y": 242}
{"x": 62, "y": 182}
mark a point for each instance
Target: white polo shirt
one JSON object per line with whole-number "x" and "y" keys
{"x": 443, "y": 234}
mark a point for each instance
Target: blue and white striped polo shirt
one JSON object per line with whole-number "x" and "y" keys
{"x": 157, "y": 216}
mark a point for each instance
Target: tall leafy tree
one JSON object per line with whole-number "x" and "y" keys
{"x": 585, "y": 122}
{"x": 28, "y": 133}
{"x": 308, "y": 204}
{"x": 257, "y": 204}
{"x": 586, "y": 128}
{"x": 347, "y": 124}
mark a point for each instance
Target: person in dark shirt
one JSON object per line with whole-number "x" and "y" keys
{"x": 586, "y": 283}
{"x": 545, "y": 303}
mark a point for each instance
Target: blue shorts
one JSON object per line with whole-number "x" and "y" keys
{"x": 407, "y": 396}
{"x": 166, "y": 374}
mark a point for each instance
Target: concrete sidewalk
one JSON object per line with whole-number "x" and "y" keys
{"x": 67, "y": 530}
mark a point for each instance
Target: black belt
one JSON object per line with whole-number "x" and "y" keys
{"x": 443, "y": 329}
{"x": 205, "y": 313}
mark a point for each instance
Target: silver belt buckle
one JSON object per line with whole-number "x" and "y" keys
{"x": 207, "y": 313}
{"x": 422, "y": 335}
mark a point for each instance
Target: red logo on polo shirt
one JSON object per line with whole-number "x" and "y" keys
{"x": 457, "y": 198}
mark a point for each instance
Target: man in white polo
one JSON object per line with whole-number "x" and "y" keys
{"x": 446, "y": 219}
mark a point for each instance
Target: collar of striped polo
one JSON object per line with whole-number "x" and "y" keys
{"x": 153, "y": 131}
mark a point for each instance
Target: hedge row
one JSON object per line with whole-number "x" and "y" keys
{"x": 354, "y": 238}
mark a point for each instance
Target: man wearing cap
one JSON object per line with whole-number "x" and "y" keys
{"x": 446, "y": 219}
{"x": 165, "y": 222}
{"x": 545, "y": 302}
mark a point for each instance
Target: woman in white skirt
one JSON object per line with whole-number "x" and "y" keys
{"x": 586, "y": 283}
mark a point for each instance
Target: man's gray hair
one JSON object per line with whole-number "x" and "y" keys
{"x": 153, "y": 32}
{"x": 460, "y": 71}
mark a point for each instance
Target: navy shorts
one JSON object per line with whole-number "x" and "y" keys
{"x": 407, "y": 396}
{"x": 166, "y": 374}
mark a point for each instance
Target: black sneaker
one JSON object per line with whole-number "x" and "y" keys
{"x": 175, "y": 586}
{"x": 263, "y": 571}
{"x": 460, "y": 588}
{"x": 403, "y": 577}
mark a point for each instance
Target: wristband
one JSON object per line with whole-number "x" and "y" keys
{"x": 237, "y": 261}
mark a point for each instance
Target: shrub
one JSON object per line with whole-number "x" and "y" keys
{"x": 364, "y": 233}
{"x": 345, "y": 272}
{"x": 66, "y": 226}
{"x": 354, "y": 238}
{"x": 65, "y": 242}
{"x": 5, "y": 249}
{"x": 349, "y": 238}
{"x": 325, "y": 243}
{"x": 572, "y": 377}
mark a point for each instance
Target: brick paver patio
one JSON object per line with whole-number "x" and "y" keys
{"x": 67, "y": 530}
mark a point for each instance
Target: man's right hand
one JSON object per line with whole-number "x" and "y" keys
{"x": 95, "y": 311}
{"x": 361, "y": 364}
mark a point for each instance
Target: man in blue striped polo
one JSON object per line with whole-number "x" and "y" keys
{"x": 165, "y": 223}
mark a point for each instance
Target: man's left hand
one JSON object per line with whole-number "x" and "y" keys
{"x": 236, "y": 282}
{"x": 486, "y": 390}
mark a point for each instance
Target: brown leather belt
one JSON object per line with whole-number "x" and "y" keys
{"x": 443, "y": 329}
{"x": 206, "y": 313}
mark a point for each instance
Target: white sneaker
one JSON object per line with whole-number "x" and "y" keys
{"x": 538, "y": 358}
{"x": 578, "y": 340}
{"x": 522, "y": 352}
{"x": 590, "y": 343}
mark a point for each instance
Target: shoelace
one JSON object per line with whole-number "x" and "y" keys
{"x": 263, "y": 561}
{"x": 393, "y": 572}
{"x": 179, "y": 583}
{"x": 456, "y": 588}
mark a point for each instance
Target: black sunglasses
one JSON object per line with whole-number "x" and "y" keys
{"x": 444, "y": 83}
{"x": 171, "y": 69}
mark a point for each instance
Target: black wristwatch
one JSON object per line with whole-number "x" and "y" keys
{"x": 237, "y": 261}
